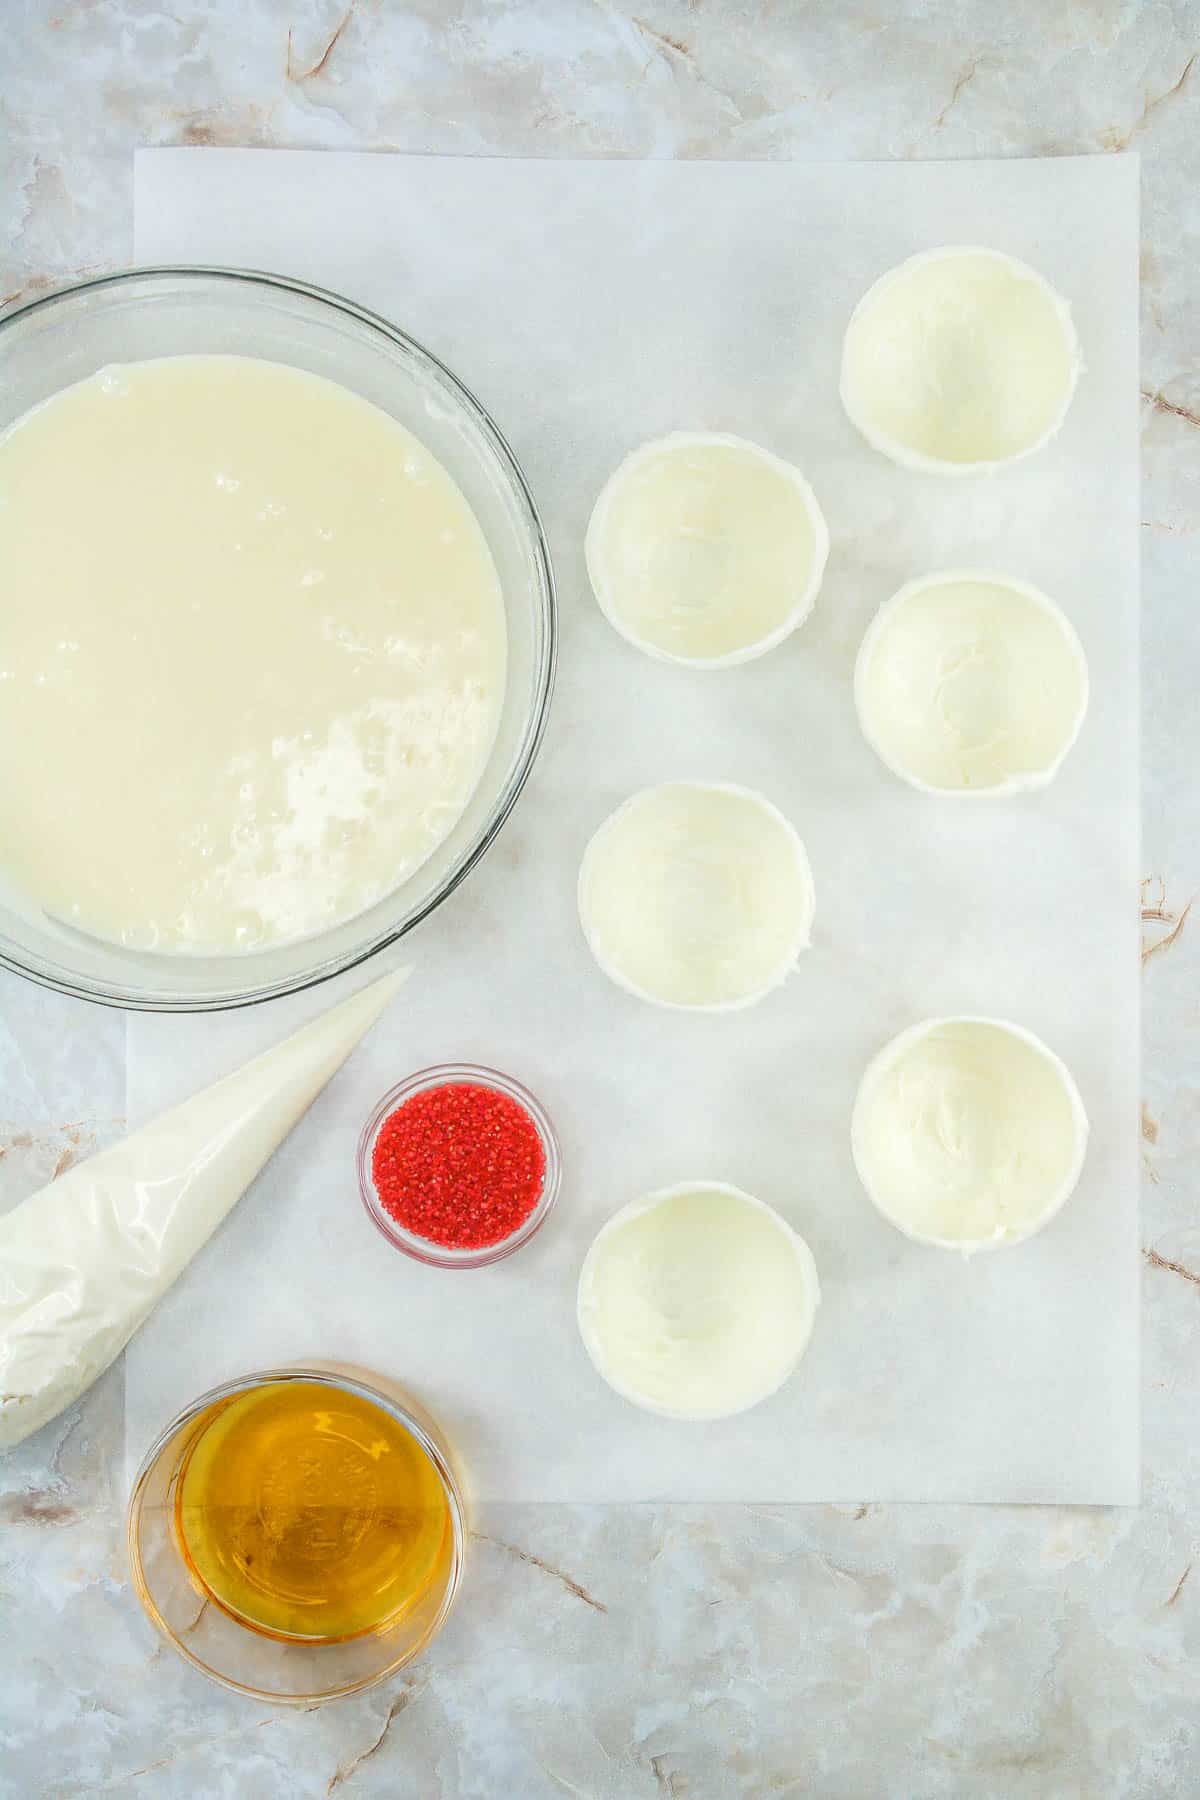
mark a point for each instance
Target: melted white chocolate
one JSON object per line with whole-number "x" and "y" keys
{"x": 252, "y": 654}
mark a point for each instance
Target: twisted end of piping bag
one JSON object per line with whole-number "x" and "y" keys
{"x": 84, "y": 1261}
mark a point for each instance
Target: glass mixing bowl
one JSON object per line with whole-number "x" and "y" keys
{"x": 65, "y": 337}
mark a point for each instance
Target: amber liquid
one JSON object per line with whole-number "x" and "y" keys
{"x": 310, "y": 1512}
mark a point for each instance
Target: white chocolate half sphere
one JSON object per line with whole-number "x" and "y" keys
{"x": 696, "y": 895}
{"x": 960, "y": 360}
{"x": 968, "y": 1133}
{"x": 698, "y": 1301}
{"x": 705, "y": 549}
{"x": 971, "y": 683}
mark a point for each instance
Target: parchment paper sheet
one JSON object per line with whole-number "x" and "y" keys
{"x": 590, "y": 306}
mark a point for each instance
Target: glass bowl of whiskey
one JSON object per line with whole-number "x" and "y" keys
{"x": 298, "y": 1535}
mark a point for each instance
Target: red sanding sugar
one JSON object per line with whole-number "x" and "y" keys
{"x": 461, "y": 1165}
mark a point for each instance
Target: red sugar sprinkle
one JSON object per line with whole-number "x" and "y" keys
{"x": 461, "y": 1165}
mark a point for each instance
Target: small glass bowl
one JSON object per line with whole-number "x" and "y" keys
{"x": 288, "y": 1672}
{"x": 424, "y": 1250}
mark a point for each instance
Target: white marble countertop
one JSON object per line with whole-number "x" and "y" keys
{"x": 673, "y": 1653}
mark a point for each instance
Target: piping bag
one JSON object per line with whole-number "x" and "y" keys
{"x": 84, "y": 1261}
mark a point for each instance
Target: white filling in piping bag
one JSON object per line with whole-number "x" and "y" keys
{"x": 84, "y": 1261}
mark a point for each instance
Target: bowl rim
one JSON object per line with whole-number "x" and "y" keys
{"x": 109, "y": 993}
{"x": 427, "y": 1250}
{"x": 327, "y": 1376}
